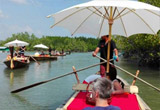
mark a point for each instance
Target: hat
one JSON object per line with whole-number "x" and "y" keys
{"x": 105, "y": 36}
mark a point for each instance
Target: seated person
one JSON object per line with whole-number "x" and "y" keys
{"x": 16, "y": 53}
{"x": 117, "y": 83}
{"x": 37, "y": 53}
{"x": 21, "y": 50}
{"x": 42, "y": 53}
{"x": 57, "y": 53}
{"x": 101, "y": 91}
{"x": 52, "y": 53}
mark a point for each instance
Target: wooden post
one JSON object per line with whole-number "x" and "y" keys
{"x": 134, "y": 80}
{"x": 76, "y": 74}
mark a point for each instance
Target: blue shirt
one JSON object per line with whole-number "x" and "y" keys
{"x": 110, "y": 107}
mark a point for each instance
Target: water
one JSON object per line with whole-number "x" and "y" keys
{"x": 50, "y": 95}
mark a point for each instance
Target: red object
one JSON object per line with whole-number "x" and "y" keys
{"x": 124, "y": 101}
{"x": 102, "y": 70}
{"x": 84, "y": 82}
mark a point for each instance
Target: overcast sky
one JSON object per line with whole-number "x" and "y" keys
{"x": 30, "y": 16}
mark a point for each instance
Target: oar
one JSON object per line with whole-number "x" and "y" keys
{"x": 42, "y": 82}
{"x": 131, "y": 74}
{"x": 35, "y": 60}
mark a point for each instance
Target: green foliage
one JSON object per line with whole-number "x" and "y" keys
{"x": 77, "y": 44}
{"x": 144, "y": 46}
{"x": 152, "y": 2}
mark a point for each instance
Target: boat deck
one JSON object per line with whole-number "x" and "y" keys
{"x": 78, "y": 98}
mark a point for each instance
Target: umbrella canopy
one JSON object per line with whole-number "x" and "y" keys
{"x": 16, "y": 43}
{"x": 112, "y": 17}
{"x": 41, "y": 46}
{"x": 128, "y": 18}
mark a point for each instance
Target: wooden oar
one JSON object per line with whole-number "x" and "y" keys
{"x": 134, "y": 80}
{"x": 145, "y": 82}
{"x": 42, "y": 82}
{"x": 35, "y": 60}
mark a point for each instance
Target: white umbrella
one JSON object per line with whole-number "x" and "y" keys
{"x": 41, "y": 46}
{"x": 129, "y": 17}
{"x": 16, "y": 43}
{"x": 116, "y": 17}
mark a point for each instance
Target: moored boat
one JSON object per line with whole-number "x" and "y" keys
{"x": 42, "y": 57}
{"x": 59, "y": 55}
{"x": 17, "y": 62}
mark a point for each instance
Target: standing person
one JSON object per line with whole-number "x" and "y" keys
{"x": 101, "y": 91}
{"x": 103, "y": 48}
{"x": 49, "y": 50}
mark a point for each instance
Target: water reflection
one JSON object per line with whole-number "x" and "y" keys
{"x": 49, "y": 64}
{"x": 15, "y": 76}
{"x": 11, "y": 78}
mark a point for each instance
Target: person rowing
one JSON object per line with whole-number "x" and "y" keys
{"x": 102, "y": 47}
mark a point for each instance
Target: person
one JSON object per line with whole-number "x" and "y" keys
{"x": 16, "y": 53}
{"x": 52, "y": 53}
{"x": 62, "y": 52}
{"x": 37, "y": 53}
{"x": 49, "y": 50}
{"x": 57, "y": 53}
{"x": 101, "y": 91}
{"x": 103, "y": 48}
{"x": 42, "y": 52}
{"x": 118, "y": 85}
{"x": 21, "y": 50}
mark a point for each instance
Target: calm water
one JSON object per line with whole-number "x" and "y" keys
{"x": 50, "y": 95}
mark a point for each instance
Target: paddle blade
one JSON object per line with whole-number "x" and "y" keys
{"x": 27, "y": 87}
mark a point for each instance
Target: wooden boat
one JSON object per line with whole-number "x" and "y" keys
{"x": 42, "y": 57}
{"x": 17, "y": 62}
{"x": 130, "y": 100}
{"x": 59, "y": 55}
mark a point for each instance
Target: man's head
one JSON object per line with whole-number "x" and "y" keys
{"x": 103, "y": 88}
{"x": 104, "y": 37}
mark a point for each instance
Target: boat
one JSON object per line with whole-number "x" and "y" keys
{"x": 4, "y": 49}
{"x": 59, "y": 55}
{"x": 42, "y": 57}
{"x": 130, "y": 100}
{"x": 18, "y": 62}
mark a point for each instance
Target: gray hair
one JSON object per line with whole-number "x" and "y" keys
{"x": 104, "y": 87}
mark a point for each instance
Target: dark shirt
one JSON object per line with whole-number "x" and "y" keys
{"x": 49, "y": 50}
{"x": 21, "y": 50}
{"x": 111, "y": 107}
{"x": 104, "y": 48}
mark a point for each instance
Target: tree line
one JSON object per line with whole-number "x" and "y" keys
{"x": 76, "y": 44}
{"x": 144, "y": 47}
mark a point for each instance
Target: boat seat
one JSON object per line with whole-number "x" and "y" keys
{"x": 19, "y": 58}
{"x": 81, "y": 87}
{"x": 127, "y": 88}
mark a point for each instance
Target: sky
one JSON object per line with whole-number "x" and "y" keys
{"x": 30, "y": 16}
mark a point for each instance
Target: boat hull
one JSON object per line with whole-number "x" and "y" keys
{"x": 42, "y": 58}
{"x": 16, "y": 63}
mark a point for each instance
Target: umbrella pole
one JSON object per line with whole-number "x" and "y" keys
{"x": 110, "y": 22}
